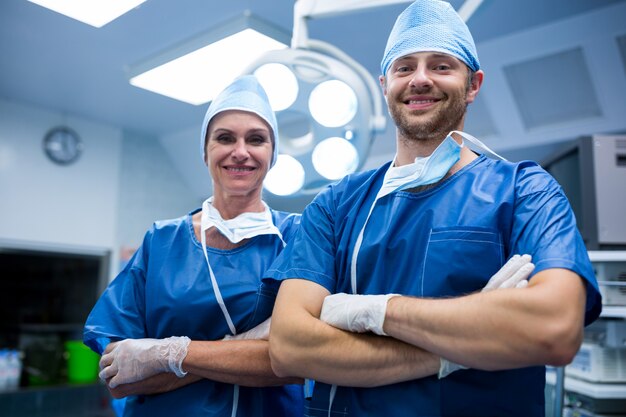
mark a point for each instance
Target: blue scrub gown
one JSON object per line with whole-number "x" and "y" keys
{"x": 165, "y": 290}
{"x": 445, "y": 241}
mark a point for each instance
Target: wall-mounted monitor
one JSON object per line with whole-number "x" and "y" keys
{"x": 592, "y": 172}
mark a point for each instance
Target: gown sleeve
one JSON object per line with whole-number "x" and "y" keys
{"x": 545, "y": 227}
{"x": 119, "y": 313}
{"x": 310, "y": 254}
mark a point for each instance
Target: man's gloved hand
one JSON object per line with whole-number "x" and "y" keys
{"x": 514, "y": 274}
{"x": 133, "y": 360}
{"x": 260, "y": 331}
{"x": 356, "y": 313}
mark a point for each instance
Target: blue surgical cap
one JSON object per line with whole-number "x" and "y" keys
{"x": 430, "y": 26}
{"x": 246, "y": 94}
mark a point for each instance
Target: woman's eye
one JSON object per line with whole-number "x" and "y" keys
{"x": 224, "y": 139}
{"x": 258, "y": 140}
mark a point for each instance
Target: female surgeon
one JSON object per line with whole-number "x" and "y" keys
{"x": 183, "y": 327}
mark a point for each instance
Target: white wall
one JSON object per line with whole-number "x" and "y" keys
{"x": 104, "y": 201}
{"x": 151, "y": 188}
{"x": 185, "y": 151}
{"x": 48, "y": 203}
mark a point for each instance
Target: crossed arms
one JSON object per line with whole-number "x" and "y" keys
{"x": 503, "y": 329}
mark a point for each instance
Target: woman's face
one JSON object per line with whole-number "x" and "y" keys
{"x": 238, "y": 151}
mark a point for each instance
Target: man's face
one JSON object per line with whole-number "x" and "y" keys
{"x": 427, "y": 94}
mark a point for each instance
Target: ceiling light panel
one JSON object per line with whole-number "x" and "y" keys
{"x": 96, "y": 13}
{"x": 201, "y": 67}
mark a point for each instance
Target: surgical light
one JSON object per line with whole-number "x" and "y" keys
{"x": 331, "y": 110}
{"x": 286, "y": 177}
{"x": 335, "y": 157}
{"x": 329, "y": 127}
{"x": 333, "y": 103}
{"x": 280, "y": 83}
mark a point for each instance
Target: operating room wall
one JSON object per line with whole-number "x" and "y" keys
{"x": 104, "y": 201}
{"x": 48, "y": 203}
{"x": 150, "y": 188}
{"x": 584, "y": 99}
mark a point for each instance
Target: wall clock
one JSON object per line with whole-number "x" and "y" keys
{"x": 62, "y": 145}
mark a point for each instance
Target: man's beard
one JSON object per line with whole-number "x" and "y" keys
{"x": 436, "y": 127}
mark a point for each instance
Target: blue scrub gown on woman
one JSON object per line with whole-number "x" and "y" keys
{"x": 165, "y": 290}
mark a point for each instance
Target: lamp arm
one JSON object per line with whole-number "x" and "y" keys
{"x": 304, "y": 9}
{"x": 468, "y": 8}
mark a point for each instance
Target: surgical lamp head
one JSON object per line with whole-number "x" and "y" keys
{"x": 328, "y": 108}
{"x": 246, "y": 94}
{"x": 430, "y": 26}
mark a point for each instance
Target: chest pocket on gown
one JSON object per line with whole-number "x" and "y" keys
{"x": 460, "y": 260}
{"x": 263, "y": 307}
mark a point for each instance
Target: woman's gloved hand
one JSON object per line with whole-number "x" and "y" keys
{"x": 133, "y": 360}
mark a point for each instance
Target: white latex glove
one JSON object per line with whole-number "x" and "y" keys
{"x": 133, "y": 360}
{"x": 514, "y": 274}
{"x": 260, "y": 331}
{"x": 355, "y": 312}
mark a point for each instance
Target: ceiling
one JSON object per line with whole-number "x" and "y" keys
{"x": 54, "y": 62}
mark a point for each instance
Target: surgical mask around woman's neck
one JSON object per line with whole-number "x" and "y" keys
{"x": 244, "y": 226}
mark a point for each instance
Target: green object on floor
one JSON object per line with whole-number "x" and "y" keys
{"x": 82, "y": 362}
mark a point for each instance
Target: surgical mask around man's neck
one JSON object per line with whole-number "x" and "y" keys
{"x": 244, "y": 226}
{"x": 424, "y": 171}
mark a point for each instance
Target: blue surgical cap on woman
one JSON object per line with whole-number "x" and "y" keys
{"x": 245, "y": 94}
{"x": 430, "y": 26}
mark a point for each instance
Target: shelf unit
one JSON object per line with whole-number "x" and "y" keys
{"x": 614, "y": 312}
{"x": 598, "y": 391}
{"x": 591, "y": 389}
